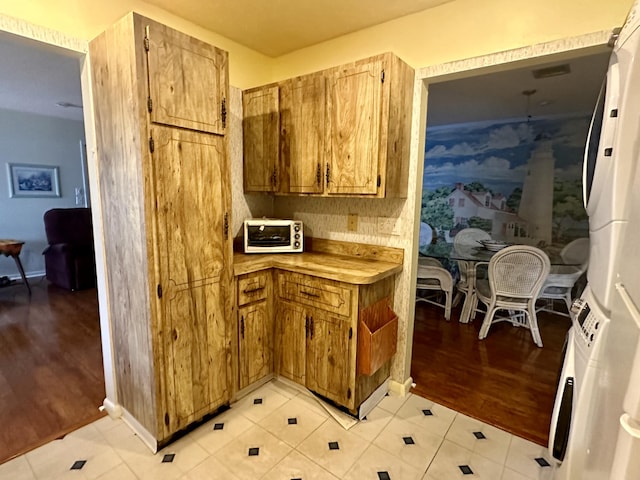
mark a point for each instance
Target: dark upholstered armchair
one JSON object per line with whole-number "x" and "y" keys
{"x": 69, "y": 259}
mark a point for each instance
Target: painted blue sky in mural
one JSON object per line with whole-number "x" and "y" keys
{"x": 496, "y": 153}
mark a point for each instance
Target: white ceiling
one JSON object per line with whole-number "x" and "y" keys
{"x": 499, "y": 96}
{"x": 276, "y": 27}
{"x": 35, "y": 77}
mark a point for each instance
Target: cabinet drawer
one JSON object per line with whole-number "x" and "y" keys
{"x": 253, "y": 287}
{"x": 315, "y": 292}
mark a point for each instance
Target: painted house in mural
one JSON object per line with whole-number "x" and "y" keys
{"x": 505, "y": 224}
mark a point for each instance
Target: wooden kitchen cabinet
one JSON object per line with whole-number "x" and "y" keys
{"x": 159, "y": 99}
{"x": 255, "y": 327}
{"x": 316, "y": 335}
{"x": 260, "y": 131}
{"x": 344, "y": 131}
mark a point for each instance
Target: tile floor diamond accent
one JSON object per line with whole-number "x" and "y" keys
{"x": 408, "y": 441}
{"x": 78, "y": 464}
{"x": 465, "y": 469}
{"x": 334, "y": 446}
{"x": 218, "y": 426}
{"x": 542, "y": 462}
{"x": 426, "y": 412}
{"x": 292, "y": 421}
{"x": 254, "y": 451}
{"x": 257, "y": 401}
{"x": 383, "y": 476}
{"x": 168, "y": 458}
{"x": 479, "y": 435}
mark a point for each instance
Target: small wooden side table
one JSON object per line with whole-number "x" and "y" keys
{"x": 12, "y": 248}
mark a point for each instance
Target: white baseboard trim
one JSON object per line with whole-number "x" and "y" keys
{"x": 147, "y": 438}
{"x": 113, "y": 409}
{"x": 400, "y": 389}
{"x": 373, "y": 400}
{"x": 16, "y": 276}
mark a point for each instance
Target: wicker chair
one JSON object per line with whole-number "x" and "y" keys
{"x": 433, "y": 277}
{"x": 561, "y": 279}
{"x": 516, "y": 275}
{"x": 466, "y": 239}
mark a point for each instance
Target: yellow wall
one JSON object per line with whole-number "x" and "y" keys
{"x": 453, "y": 31}
{"x": 85, "y": 19}
{"x": 461, "y": 29}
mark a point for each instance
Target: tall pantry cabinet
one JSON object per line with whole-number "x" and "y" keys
{"x": 159, "y": 98}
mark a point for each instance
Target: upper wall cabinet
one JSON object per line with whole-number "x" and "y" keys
{"x": 344, "y": 131}
{"x": 187, "y": 80}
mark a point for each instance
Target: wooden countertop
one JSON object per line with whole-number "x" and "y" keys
{"x": 330, "y": 263}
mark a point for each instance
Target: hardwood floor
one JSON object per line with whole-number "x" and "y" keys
{"x": 51, "y": 374}
{"x": 504, "y": 380}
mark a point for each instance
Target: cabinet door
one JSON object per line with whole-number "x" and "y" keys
{"x": 302, "y": 108}
{"x": 256, "y": 343}
{"x": 261, "y": 130}
{"x": 291, "y": 341}
{"x": 329, "y": 372}
{"x": 354, "y": 109}
{"x": 187, "y": 80}
{"x": 192, "y": 199}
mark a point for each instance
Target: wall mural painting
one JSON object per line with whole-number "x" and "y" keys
{"x": 520, "y": 181}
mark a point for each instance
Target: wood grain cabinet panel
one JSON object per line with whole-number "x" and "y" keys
{"x": 291, "y": 348}
{"x": 187, "y": 80}
{"x": 302, "y": 134}
{"x": 255, "y": 327}
{"x": 353, "y": 133}
{"x": 256, "y": 343}
{"x": 329, "y": 351}
{"x": 166, "y": 201}
{"x": 260, "y": 131}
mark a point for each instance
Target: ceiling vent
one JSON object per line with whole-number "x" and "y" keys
{"x": 554, "y": 71}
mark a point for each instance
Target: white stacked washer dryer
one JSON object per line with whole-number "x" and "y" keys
{"x": 595, "y": 429}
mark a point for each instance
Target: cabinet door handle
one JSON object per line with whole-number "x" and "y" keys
{"x": 306, "y": 326}
{"x": 311, "y": 327}
{"x": 274, "y": 177}
{"x": 318, "y": 175}
{"x": 252, "y": 290}
{"x": 242, "y": 326}
{"x": 309, "y": 294}
{"x": 327, "y": 173}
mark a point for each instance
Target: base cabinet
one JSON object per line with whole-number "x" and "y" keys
{"x": 255, "y": 328}
{"x": 316, "y": 335}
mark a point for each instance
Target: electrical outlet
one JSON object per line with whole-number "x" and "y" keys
{"x": 352, "y": 222}
{"x": 388, "y": 226}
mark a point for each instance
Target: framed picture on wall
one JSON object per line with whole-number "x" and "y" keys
{"x": 26, "y": 180}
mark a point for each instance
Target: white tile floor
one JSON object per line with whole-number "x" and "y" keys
{"x": 290, "y": 436}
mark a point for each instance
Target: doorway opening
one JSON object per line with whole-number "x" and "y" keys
{"x": 482, "y": 126}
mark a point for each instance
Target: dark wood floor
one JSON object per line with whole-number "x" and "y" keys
{"x": 504, "y": 380}
{"x": 51, "y": 374}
